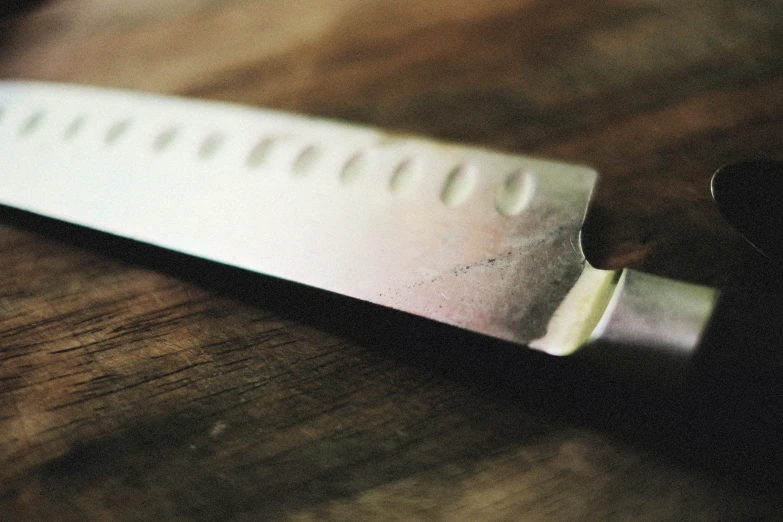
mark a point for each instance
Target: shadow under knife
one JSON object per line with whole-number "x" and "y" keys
{"x": 567, "y": 391}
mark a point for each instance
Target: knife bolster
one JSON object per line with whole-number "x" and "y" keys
{"x": 651, "y": 328}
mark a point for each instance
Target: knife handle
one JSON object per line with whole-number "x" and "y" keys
{"x": 651, "y": 328}
{"x": 714, "y": 360}
{"x": 739, "y": 365}
{"x": 694, "y": 339}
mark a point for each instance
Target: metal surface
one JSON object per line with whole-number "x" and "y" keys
{"x": 652, "y": 327}
{"x": 478, "y": 239}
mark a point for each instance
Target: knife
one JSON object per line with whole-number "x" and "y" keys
{"x": 474, "y": 238}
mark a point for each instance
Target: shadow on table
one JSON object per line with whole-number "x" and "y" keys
{"x": 694, "y": 430}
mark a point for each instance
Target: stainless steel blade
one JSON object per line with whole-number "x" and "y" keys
{"x": 482, "y": 240}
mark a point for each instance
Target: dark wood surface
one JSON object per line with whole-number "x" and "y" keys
{"x": 137, "y": 384}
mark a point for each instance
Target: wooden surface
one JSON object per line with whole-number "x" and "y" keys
{"x": 137, "y": 384}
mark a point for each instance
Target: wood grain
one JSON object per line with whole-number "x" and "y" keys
{"x": 138, "y": 384}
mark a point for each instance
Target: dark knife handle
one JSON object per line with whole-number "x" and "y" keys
{"x": 738, "y": 368}
{"x": 718, "y": 356}
{"x": 748, "y": 194}
{"x": 684, "y": 337}
{"x": 650, "y": 329}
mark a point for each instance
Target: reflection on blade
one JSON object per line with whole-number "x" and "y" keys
{"x": 474, "y": 238}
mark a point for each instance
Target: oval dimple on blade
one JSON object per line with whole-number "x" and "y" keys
{"x": 459, "y": 184}
{"x": 515, "y": 194}
{"x": 482, "y": 240}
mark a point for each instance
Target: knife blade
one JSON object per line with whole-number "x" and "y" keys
{"x": 478, "y": 239}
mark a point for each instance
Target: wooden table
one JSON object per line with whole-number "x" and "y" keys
{"x": 137, "y": 384}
